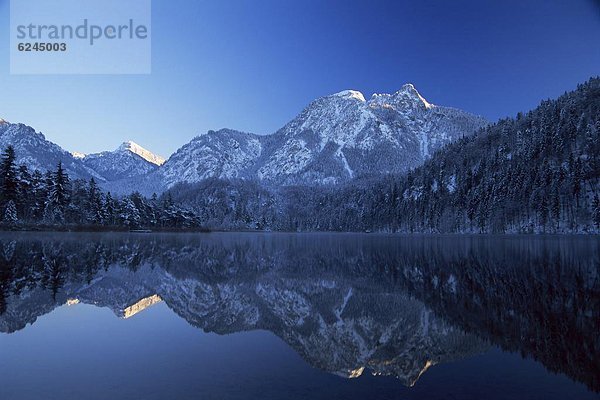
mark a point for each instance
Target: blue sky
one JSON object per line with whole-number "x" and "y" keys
{"x": 253, "y": 65}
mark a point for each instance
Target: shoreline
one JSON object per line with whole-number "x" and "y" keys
{"x": 96, "y": 228}
{"x": 120, "y": 229}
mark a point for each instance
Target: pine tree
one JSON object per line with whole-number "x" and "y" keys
{"x": 25, "y": 192}
{"x": 555, "y": 206}
{"x": 577, "y": 178}
{"x": 109, "y": 210}
{"x": 155, "y": 209}
{"x": 77, "y": 207}
{"x": 167, "y": 211}
{"x": 596, "y": 211}
{"x": 58, "y": 195}
{"x": 130, "y": 215}
{"x": 60, "y": 189}
{"x": 40, "y": 195}
{"x": 94, "y": 203}
{"x": 10, "y": 213}
{"x": 8, "y": 176}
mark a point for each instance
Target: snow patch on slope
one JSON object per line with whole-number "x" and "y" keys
{"x": 128, "y": 161}
{"x": 351, "y": 94}
{"x": 142, "y": 152}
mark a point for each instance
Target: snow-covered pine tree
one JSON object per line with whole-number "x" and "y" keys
{"x": 129, "y": 214}
{"x": 39, "y": 195}
{"x": 153, "y": 204}
{"x": 95, "y": 212}
{"x": 8, "y": 176}
{"x": 10, "y": 213}
{"x": 77, "y": 208}
{"x": 25, "y": 192}
{"x": 58, "y": 195}
{"x": 110, "y": 210}
{"x": 596, "y": 211}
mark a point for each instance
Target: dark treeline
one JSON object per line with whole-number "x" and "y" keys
{"x": 29, "y": 198}
{"x": 538, "y": 172}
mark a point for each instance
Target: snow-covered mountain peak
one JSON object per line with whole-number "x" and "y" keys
{"x": 127, "y": 161}
{"x": 78, "y": 155}
{"x": 404, "y": 99}
{"x": 127, "y": 145}
{"x": 408, "y": 91}
{"x": 409, "y": 88}
{"x": 142, "y": 152}
{"x": 350, "y": 94}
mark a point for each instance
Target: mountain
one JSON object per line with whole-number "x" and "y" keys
{"x": 33, "y": 150}
{"x": 224, "y": 154}
{"x": 36, "y": 152}
{"x": 343, "y": 136}
{"x": 333, "y": 140}
{"x": 127, "y": 161}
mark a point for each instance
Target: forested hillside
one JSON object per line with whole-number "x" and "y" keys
{"x": 538, "y": 172}
{"x": 52, "y": 199}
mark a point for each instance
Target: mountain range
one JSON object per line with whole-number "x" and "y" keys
{"x": 37, "y": 153}
{"x": 334, "y": 139}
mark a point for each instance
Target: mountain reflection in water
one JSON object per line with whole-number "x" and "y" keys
{"x": 347, "y": 304}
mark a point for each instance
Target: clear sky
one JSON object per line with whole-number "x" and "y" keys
{"x": 253, "y": 65}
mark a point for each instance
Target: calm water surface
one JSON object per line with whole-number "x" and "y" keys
{"x": 310, "y": 316}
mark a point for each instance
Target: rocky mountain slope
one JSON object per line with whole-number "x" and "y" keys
{"x": 336, "y": 138}
{"x": 37, "y": 153}
{"x": 127, "y": 161}
{"x": 33, "y": 150}
{"x": 342, "y": 136}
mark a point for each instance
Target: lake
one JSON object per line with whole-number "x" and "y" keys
{"x": 298, "y": 316}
